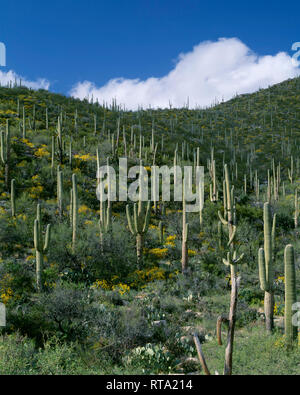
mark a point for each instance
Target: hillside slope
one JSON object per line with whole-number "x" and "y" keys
{"x": 99, "y": 299}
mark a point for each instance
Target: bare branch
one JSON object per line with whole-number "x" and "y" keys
{"x": 201, "y": 355}
{"x": 220, "y": 320}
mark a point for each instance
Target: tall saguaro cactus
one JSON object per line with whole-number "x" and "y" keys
{"x": 60, "y": 144}
{"x": 232, "y": 260}
{"x": 5, "y": 152}
{"x": 52, "y": 155}
{"x": 291, "y": 171}
{"x": 74, "y": 210}
{"x": 24, "y": 124}
{"x": 290, "y": 294}
{"x": 266, "y": 263}
{"x": 296, "y": 212}
{"x": 214, "y": 195}
{"x": 13, "y": 198}
{"x": 138, "y": 225}
{"x": 185, "y": 232}
{"x": 105, "y": 219}
{"x": 40, "y": 248}
{"x": 60, "y": 191}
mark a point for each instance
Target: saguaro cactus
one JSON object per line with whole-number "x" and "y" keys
{"x": 52, "y": 154}
{"x": 161, "y": 232}
{"x": 40, "y": 249}
{"x": 5, "y": 152}
{"x": 70, "y": 153}
{"x": 138, "y": 225}
{"x": 214, "y": 195}
{"x": 74, "y": 209}
{"x": 290, "y": 294}
{"x": 232, "y": 260}
{"x": 220, "y": 234}
{"x": 291, "y": 170}
{"x": 296, "y": 212}
{"x": 185, "y": 233}
{"x": 24, "y": 124}
{"x": 60, "y": 191}
{"x": 105, "y": 219}
{"x": 60, "y": 144}
{"x": 13, "y": 198}
{"x": 201, "y": 201}
{"x": 47, "y": 119}
{"x": 265, "y": 264}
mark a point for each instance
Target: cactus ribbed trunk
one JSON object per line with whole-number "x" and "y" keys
{"x": 184, "y": 246}
{"x": 101, "y": 241}
{"x": 139, "y": 248}
{"x": 13, "y": 198}
{"x": 161, "y": 232}
{"x": 269, "y": 311}
{"x": 231, "y": 323}
{"x": 233, "y": 296}
{"x": 290, "y": 295}
{"x": 220, "y": 234}
{"x": 184, "y": 255}
{"x": 74, "y": 211}
{"x": 266, "y": 258}
{"x": 39, "y": 268}
{"x": 7, "y": 175}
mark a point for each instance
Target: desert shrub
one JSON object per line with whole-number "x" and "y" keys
{"x": 245, "y": 315}
{"x": 284, "y": 218}
{"x": 251, "y": 296}
{"x": 19, "y": 278}
{"x": 16, "y": 355}
{"x": 57, "y": 358}
{"x": 30, "y": 321}
{"x": 120, "y": 329}
{"x": 69, "y": 307}
{"x": 10, "y": 237}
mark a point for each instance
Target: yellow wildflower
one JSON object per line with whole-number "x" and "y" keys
{"x": 159, "y": 252}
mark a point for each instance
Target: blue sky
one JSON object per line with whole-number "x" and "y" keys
{"x": 68, "y": 42}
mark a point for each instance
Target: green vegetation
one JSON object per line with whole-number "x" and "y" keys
{"x": 124, "y": 289}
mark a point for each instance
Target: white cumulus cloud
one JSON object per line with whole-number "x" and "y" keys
{"x": 211, "y": 71}
{"x": 11, "y": 76}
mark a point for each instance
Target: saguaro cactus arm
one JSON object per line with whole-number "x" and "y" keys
{"x": 147, "y": 219}
{"x": 47, "y": 238}
{"x": 232, "y": 259}
{"x": 132, "y": 230}
{"x": 37, "y": 243}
